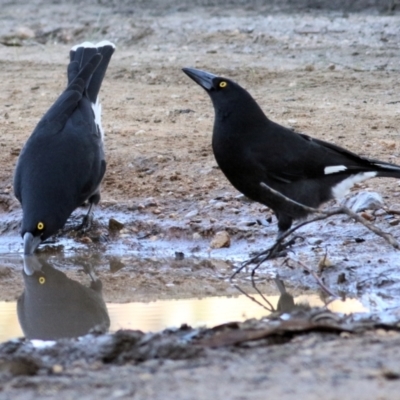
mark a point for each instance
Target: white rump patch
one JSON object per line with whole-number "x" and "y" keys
{"x": 105, "y": 43}
{"x": 84, "y": 44}
{"x": 343, "y": 187}
{"x": 96, "y": 107}
{"x": 333, "y": 169}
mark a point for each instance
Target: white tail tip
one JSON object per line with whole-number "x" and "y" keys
{"x": 103, "y": 43}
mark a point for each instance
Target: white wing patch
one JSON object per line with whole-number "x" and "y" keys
{"x": 96, "y": 107}
{"x": 343, "y": 187}
{"x": 333, "y": 169}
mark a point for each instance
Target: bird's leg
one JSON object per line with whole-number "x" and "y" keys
{"x": 87, "y": 220}
{"x": 280, "y": 247}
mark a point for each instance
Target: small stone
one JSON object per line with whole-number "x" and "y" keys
{"x": 140, "y": 132}
{"x": 380, "y": 212}
{"x": 114, "y": 225}
{"x": 86, "y": 240}
{"x": 4, "y": 271}
{"x": 314, "y": 241}
{"x": 309, "y": 68}
{"x": 57, "y": 369}
{"x": 219, "y": 205}
{"x": 394, "y": 222}
{"x": 24, "y": 32}
{"x": 367, "y": 216}
{"x": 191, "y": 214}
{"x": 332, "y": 67}
{"x": 364, "y": 201}
{"x": 196, "y": 236}
{"x": 220, "y": 240}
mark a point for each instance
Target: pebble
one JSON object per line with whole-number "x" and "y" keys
{"x": 57, "y": 369}
{"x": 196, "y": 236}
{"x": 364, "y": 201}
{"x": 191, "y": 214}
{"x": 314, "y": 241}
{"x": 367, "y": 216}
{"x": 380, "y": 212}
{"x": 114, "y": 225}
{"x": 220, "y": 240}
{"x": 86, "y": 240}
{"x": 219, "y": 205}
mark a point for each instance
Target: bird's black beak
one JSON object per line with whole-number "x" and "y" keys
{"x": 31, "y": 243}
{"x": 203, "y": 78}
{"x": 31, "y": 264}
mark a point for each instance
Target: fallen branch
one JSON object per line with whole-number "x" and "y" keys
{"x": 290, "y": 206}
{"x": 316, "y": 277}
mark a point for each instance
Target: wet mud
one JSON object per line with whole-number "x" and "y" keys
{"x": 149, "y": 285}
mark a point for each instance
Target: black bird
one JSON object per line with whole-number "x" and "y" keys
{"x": 251, "y": 149}
{"x": 62, "y": 163}
{"x": 54, "y": 306}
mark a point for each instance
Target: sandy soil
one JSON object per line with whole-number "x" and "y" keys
{"x": 331, "y": 74}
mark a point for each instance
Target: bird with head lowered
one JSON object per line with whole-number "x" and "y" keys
{"x": 252, "y": 150}
{"x": 62, "y": 163}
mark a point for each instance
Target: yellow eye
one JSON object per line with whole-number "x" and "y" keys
{"x": 222, "y": 84}
{"x": 42, "y": 280}
{"x": 40, "y": 226}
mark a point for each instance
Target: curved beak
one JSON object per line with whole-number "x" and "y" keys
{"x": 203, "y": 78}
{"x": 31, "y": 264}
{"x": 31, "y": 243}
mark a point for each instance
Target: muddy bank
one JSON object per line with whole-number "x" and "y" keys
{"x": 332, "y": 74}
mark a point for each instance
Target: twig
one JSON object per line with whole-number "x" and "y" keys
{"x": 272, "y": 309}
{"x": 292, "y": 207}
{"x": 317, "y": 278}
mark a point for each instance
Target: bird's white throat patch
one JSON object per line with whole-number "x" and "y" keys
{"x": 343, "y": 187}
{"x": 96, "y": 107}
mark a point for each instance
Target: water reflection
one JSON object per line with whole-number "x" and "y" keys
{"x": 54, "y": 306}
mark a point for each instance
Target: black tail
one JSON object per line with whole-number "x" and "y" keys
{"x": 386, "y": 170}
{"x": 82, "y": 54}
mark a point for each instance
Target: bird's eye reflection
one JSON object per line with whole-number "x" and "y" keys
{"x": 72, "y": 309}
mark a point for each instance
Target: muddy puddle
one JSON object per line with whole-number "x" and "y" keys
{"x": 51, "y": 305}
{"x": 143, "y": 277}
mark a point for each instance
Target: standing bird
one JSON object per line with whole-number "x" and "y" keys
{"x": 252, "y": 150}
{"x": 62, "y": 163}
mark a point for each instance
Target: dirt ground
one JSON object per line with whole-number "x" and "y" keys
{"x": 331, "y": 73}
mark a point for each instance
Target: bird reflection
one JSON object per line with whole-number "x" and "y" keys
{"x": 286, "y": 302}
{"x": 54, "y": 306}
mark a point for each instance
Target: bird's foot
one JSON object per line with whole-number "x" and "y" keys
{"x": 87, "y": 222}
{"x": 280, "y": 247}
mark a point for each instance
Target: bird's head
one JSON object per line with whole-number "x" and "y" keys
{"x": 220, "y": 89}
{"x": 35, "y": 230}
{"x": 229, "y": 98}
{"x": 33, "y": 234}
